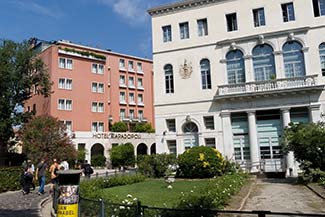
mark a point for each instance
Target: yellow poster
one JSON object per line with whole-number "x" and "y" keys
{"x": 68, "y": 201}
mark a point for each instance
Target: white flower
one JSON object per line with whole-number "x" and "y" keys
{"x": 169, "y": 187}
{"x": 122, "y": 207}
{"x": 191, "y": 191}
{"x": 135, "y": 199}
{"x": 129, "y": 195}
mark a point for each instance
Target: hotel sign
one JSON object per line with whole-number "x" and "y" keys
{"x": 117, "y": 135}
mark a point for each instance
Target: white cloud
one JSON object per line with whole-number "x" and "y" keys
{"x": 38, "y": 9}
{"x": 133, "y": 11}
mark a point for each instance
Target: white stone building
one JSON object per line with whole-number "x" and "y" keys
{"x": 232, "y": 74}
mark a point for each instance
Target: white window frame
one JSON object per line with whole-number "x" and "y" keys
{"x": 184, "y": 30}
{"x": 65, "y": 63}
{"x": 139, "y": 67}
{"x": 97, "y": 126}
{"x": 65, "y": 83}
{"x": 122, "y": 64}
{"x": 202, "y": 27}
{"x": 130, "y": 66}
{"x": 65, "y": 104}
{"x": 97, "y": 68}
{"x": 167, "y": 33}
{"x": 122, "y": 97}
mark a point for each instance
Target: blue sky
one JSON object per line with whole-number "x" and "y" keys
{"x": 121, "y": 25}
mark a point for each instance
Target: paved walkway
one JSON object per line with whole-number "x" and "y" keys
{"x": 15, "y": 204}
{"x": 282, "y": 196}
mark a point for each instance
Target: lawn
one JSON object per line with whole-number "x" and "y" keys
{"x": 154, "y": 192}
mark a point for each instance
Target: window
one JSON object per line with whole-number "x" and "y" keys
{"x": 122, "y": 64}
{"x": 139, "y": 67}
{"x": 140, "y": 99}
{"x": 259, "y": 17}
{"x": 97, "y": 127}
{"x": 205, "y": 74}
{"x": 263, "y": 62}
{"x": 202, "y": 26}
{"x": 122, "y": 114}
{"x": 65, "y": 83}
{"x": 94, "y": 107}
{"x": 65, "y": 63}
{"x": 140, "y": 83}
{"x": 97, "y": 107}
{"x": 169, "y": 78}
{"x": 68, "y": 125}
{"x": 131, "y": 113}
{"x": 97, "y": 87}
{"x": 184, "y": 30}
{"x": 97, "y": 68}
{"x": 322, "y": 57}
{"x": 210, "y": 142}
{"x": 131, "y": 98}
{"x": 100, "y": 107}
{"x": 319, "y": 7}
{"x": 131, "y": 66}
{"x": 288, "y": 12}
{"x": 172, "y": 146}
{"x": 140, "y": 114}
{"x": 131, "y": 82}
{"x": 231, "y": 22}
{"x": 122, "y": 79}
{"x": 167, "y": 33}
{"x": 209, "y": 122}
{"x": 65, "y": 104}
{"x": 293, "y": 58}
{"x": 235, "y": 67}
{"x": 171, "y": 125}
{"x": 122, "y": 97}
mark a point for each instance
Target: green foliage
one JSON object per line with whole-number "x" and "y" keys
{"x": 98, "y": 161}
{"x": 143, "y": 128}
{"x": 200, "y": 162}
{"x": 155, "y": 165}
{"x": 10, "y": 178}
{"x": 122, "y": 155}
{"x": 215, "y": 195}
{"x": 119, "y": 126}
{"x": 22, "y": 74}
{"x": 81, "y": 155}
{"x": 45, "y": 137}
{"x": 307, "y": 141}
{"x": 85, "y": 53}
{"x": 310, "y": 174}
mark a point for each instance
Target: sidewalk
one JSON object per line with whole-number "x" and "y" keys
{"x": 15, "y": 204}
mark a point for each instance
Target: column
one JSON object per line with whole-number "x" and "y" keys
{"x": 314, "y": 112}
{"x": 249, "y": 71}
{"x": 279, "y": 67}
{"x": 291, "y": 170}
{"x": 253, "y": 143}
{"x": 228, "y": 146}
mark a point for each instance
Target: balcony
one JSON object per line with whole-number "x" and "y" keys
{"x": 271, "y": 87}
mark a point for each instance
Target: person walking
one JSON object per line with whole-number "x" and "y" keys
{"x": 28, "y": 179}
{"x": 64, "y": 165}
{"x": 41, "y": 176}
{"x": 87, "y": 169}
{"x": 32, "y": 170}
{"x": 54, "y": 176}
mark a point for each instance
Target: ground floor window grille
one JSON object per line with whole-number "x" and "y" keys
{"x": 241, "y": 146}
{"x": 172, "y": 146}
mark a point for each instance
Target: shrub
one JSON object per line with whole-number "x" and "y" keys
{"x": 215, "y": 195}
{"x": 10, "y": 178}
{"x": 122, "y": 155}
{"x": 155, "y": 165}
{"x": 143, "y": 128}
{"x": 119, "y": 127}
{"x": 98, "y": 161}
{"x": 200, "y": 162}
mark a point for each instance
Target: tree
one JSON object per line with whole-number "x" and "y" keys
{"x": 119, "y": 126}
{"x": 144, "y": 128}
{"x": 307, "y": 141}
{"x": 21, "y": 74}
{"x": 122, "y": 155}
{"x": 45, "y": 136}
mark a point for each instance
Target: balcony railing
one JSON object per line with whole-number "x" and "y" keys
{"x": 267, "y": 86}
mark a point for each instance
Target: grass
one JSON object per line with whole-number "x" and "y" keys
{"x": 154, "y": 192}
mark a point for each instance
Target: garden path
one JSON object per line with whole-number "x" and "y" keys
{"x": 282, "y": 195}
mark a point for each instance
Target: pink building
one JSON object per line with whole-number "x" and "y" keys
{"x": 94, "y": 88}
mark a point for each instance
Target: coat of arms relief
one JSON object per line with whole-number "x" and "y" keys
{"x": 185, "y": 70}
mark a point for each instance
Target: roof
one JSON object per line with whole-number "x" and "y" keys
{"x": 181, "y": 5}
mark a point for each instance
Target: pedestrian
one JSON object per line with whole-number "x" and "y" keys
{"x": 64, "y": 165}
{"x": 87, "y": 169}
{"x": 32, "y": 169}
{"x": 54, "y": 175}
{"x": 28, "y": 179}
{"x": 41, "y": 176}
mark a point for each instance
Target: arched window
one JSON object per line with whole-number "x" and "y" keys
{"x": 263, "y": 62}
{"x": 205, "y": 74}
{"x": 322, "y": 57}
{"x": 293, "y": 58}
{"x": 169, "y": 78}
{"x": 191, "y": 139}
{"x": 235, "y": 67}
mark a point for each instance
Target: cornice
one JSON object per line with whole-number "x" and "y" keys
{"x": 178, "y": 6}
